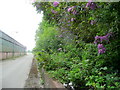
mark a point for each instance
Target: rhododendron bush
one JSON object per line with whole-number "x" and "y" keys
{"x": 78, "y": 43}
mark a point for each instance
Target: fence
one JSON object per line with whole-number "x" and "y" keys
{"x": 9, "y": 47}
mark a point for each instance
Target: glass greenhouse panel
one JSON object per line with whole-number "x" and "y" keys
{"x": 8, "y": 44}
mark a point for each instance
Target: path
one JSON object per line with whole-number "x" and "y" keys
{"x": 15, "y": 72}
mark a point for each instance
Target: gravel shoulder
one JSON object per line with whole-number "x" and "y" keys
{"x": 34, "y": 78}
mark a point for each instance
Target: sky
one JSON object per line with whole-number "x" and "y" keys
{"x": 19, "y": 19}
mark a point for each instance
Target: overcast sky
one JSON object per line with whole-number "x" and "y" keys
{"x": 19, "y": 19}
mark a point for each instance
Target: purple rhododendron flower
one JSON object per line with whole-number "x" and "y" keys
{"x": 53, "y": 11}
{"x": 95, "y": 42}
{"x": 104, "y": 38}
{"x": 100, "y": 46}
{"x": 97, "y": 37}
{"x": 59, "y": 49}
{"x": 55, "y": 3}
{"x": 104, "y": 49}
{"x": 109, "y": 34}
{"x": 92, "y": 22}
{"x": 72, "y": 19}
{"x": 74, "y": 12}
{"x": 87, "y": 5}
{"x": 93, "y": 6}
{"x": 70, "y": 8}
{"x": 61, "y": 36}
{"x": 69, "y": 25}
{"x": 101, "y": 51}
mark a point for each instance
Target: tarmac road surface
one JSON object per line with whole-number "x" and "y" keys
{"x": 15, "y": 72}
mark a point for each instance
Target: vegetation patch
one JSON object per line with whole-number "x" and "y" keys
{"x": 78, "y": 43}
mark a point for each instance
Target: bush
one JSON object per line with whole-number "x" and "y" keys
{"x": 82, "y": 48}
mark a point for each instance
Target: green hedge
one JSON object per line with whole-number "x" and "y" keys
{"x": 79, "y": 45}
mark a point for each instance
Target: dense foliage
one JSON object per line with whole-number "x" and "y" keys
{"x": 78, "y": 43}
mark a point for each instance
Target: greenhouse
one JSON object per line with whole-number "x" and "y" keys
{"x": 9, "y": 47}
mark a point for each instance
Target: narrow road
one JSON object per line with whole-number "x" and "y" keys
{"x": 15, "y": 72}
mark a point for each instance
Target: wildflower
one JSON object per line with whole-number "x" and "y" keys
{"x": 55, "y": 3}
